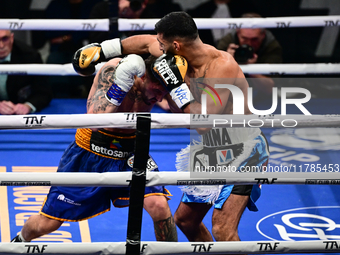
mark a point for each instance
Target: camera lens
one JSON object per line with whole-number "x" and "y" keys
{"x": 243, "y": 53}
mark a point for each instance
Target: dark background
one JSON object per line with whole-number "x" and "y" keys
{"x": 299, "y": 44}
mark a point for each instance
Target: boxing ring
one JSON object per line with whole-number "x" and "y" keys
{"x": 323, "y": 227}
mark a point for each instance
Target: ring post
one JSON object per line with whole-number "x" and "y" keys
{"x": 137, "y": 184}
{"x": 113, "y": 18}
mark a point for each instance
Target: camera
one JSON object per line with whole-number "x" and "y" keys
{"x": 243, "y": 53}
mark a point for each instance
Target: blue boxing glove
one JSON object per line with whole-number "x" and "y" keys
{"x": 124, "y": 77}
{"x": 170, "y": 70}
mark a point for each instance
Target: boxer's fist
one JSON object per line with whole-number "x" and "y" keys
{"x": 170, "y": 70}
{"x": 124, "y": 77}
{"x": 85, "y": 59}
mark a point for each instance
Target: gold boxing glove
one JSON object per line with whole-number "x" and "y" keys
{"x": 85, "y": 59}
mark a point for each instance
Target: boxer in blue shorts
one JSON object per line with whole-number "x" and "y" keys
{"x": 251, "y": 156}
{"x": 183, "y": 59}
{"x": 121, "y": 85}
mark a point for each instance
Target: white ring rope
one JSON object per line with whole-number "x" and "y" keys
{"x": 319, "y": 68}
{"x": 42, "y": 69}
{"x": 56, "y": 24}
{"x": 67, "y": 69}
{"x": 149, "y": 24}
{"x": 149, "y": 248}
{"x": 122, "y": 179}
{"x": 165, "y": 120}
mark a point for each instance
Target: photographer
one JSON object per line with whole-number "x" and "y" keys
{"x": 253, "y": 45}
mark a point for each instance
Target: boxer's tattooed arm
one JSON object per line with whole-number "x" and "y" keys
{"x": 98, "y": 102}
{"x": 165, "y": 230}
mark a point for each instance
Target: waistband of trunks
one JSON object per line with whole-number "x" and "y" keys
{"x": 106, "y": 144}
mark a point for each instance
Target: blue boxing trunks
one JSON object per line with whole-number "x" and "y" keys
{"x": 241, "y": 149}
{"x": 97, "y": 152}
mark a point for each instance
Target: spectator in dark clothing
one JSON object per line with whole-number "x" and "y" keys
{"x": 63, "y": 44}
{"x": 17, "y": 9}
{"x": 150, "y": 9}
{"x": 266, "y": 49}
{"x": 67, "y": 42}
{"x": 159, "y": 8}
{"x": 219, "y": 9}
{"x": 211, "y": 9}
{"x": 21, "y": 94}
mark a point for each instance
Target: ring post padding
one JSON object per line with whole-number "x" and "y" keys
{"x": 113, "y": 26}
{"x": 137, "y": 189}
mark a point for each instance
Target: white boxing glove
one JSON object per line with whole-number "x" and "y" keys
{"x": 123, "y": 77}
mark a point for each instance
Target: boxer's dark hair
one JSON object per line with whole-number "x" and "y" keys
{"x": 148, "y": 66}
{"x": 177, "y": 24}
